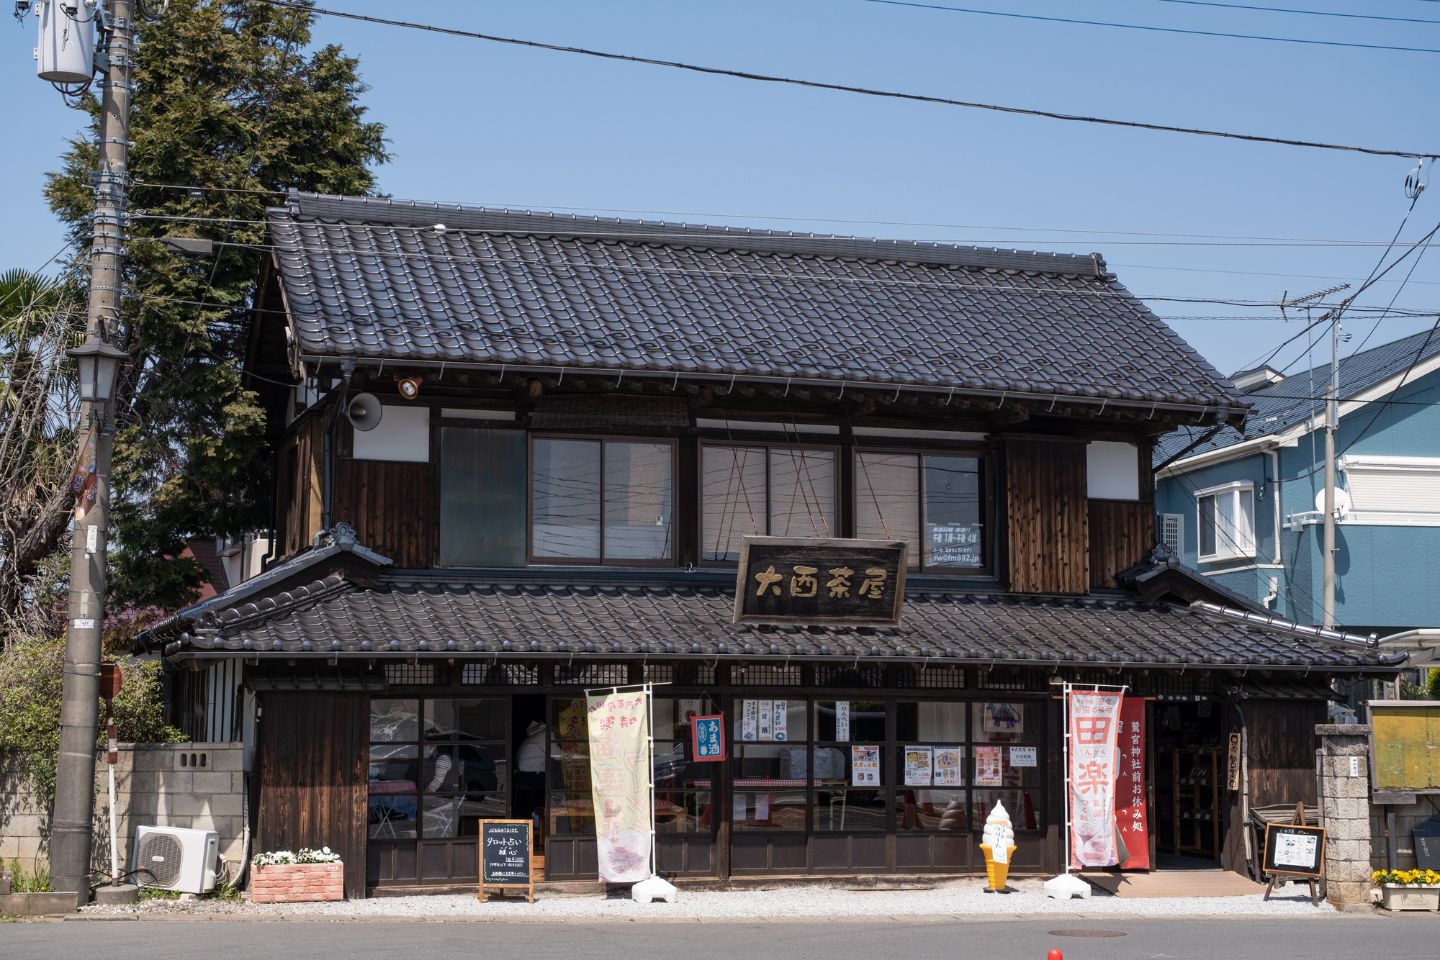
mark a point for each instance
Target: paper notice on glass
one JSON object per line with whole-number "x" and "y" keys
{"x": 949, "y": 767}
{"x": 842, "y": 721}
{"x": 689, "y": 710}
{"x": 762, "y": 807}
{"x": 1295, "y": 850}
{"x": 989, "y": 766}
{"x": 864, "y": 766}
{"x": 749, "y": 721}
{"x": 781, "y": 723}
{"x": 739, "y": 805}
{"x": 766, "y": 711}
{"x": 1023, "y": 757}
{"x": 919, "y": 766}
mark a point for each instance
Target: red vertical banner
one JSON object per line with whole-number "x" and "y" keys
{"x": 1130, "y": 780}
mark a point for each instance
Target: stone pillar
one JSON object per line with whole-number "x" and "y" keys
{"x": 1345, "y": 811}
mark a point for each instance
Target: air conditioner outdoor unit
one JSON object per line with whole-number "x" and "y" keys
{"x": 173, "y": 858}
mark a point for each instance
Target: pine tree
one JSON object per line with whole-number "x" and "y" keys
{"x": 230, "y": 109}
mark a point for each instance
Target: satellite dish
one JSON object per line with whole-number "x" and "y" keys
{"x": 1342, "y": 502}
{"x": 364, "y": 412}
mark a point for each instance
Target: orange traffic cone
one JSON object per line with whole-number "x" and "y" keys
{"x": 1054, "y": 955}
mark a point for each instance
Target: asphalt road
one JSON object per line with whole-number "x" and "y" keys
{"x": 1410, "y": 937}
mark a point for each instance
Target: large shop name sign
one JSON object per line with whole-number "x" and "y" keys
{"x": 784, "y": 580}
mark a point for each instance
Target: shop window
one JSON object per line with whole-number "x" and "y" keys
{"x": 436, "y": 766}
{"x": 570, "y": 807}
{"x": 410, "y": 674}
{"x": 1226, "y": 521}
{"x": 758, "y": 490}
{"x": 850, "y": 777}
{"x": 769, "y": 764}
{"x": 601, "y": 501}
{"x": 935, "y": 503}
{"x": 507, "y": 674}
{"x": 1008, "y": 740}
{"x": 832, "y": 675}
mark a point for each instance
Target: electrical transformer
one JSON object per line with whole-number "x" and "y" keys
{"x": 66, "y": 52}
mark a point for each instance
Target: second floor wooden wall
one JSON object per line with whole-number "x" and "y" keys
{"x": 1054, "y": 538}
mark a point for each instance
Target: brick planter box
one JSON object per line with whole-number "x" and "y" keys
{"x": 297, "y": 882}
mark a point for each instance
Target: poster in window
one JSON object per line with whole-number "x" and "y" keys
{"x": 1024, "y": 757}
{"x": 707, "y": 738}
{"x": 766, "y": 720}
{"x": 949, "y": 767}
{"x": 1001, "y": 719}
{"x": 749, "y": 721}
{"x": 864, "y": 766}
{"x": 955, "y": 545}
{"x": 919, "y": 766}
{"x": 989, "y": 766}
{"x": 842, "y": 721}
{"x": 781, "y": 723}
{"x": 688, "y": 709}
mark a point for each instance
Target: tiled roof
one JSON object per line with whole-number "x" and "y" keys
{"x": 377, "y": 279}
{"x": 1282, "y": 405}
{"x": 399, "y": 616}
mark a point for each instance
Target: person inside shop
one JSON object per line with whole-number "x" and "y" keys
{"x": 530, "y": 775}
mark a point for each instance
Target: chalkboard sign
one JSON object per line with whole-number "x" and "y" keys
{"x": 1294, "y": 850}
{"x": 506, "y": 856}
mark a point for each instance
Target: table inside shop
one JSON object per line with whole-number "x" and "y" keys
{"x": 392, "y": 799}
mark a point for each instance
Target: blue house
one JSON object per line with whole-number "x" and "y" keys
{"x": 1246, "y": 509}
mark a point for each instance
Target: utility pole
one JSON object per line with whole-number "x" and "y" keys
{"x": 1332, "y": 419}
{"x": 71, "y": 827}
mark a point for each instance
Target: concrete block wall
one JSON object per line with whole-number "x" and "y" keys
{"x": 195, "y": 785}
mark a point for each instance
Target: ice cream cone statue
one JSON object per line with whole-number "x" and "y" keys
{"x": 998, "y": 845}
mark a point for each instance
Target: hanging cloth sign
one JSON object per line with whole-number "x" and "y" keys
{"x": 620, "y": 784}
{"x": 1130, "y": 785}
{"x": 1094, "y": 722}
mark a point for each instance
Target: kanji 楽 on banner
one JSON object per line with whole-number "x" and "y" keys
{"x": 1130, "y": 815}
{"x": 620, "y": 784}
{"x": 1094, "y": 724}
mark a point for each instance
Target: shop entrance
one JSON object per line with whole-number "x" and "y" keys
{"x": 530, "y": 747}
{"x": 1190, "y": 811}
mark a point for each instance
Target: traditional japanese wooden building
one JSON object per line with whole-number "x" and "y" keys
{"x": 580, "y": 419}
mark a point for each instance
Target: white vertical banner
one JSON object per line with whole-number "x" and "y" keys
{"x": 766, "y": 711}
{"x": 781, "y": 725}
{"x": 620, "y": 774}
{"x": 749, "y": 721}
{"x": 842, "y": 721}
{"x": 1094, "y": 722}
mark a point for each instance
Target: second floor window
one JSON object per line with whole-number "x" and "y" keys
{"x": 601, "y": 500}
{"x": 760, "y": 490}
{"x": 1226, "y": 521}
{"x": 935, "y": 503}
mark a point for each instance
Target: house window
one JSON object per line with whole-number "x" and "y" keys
{"x": 758, "y": 490}
{"x": 1226, "y": 521}
{"x": 935, "y": 503}
{"x": 601, "y": 501}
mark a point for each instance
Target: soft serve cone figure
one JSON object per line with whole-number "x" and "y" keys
{"x": 998, "y": 845}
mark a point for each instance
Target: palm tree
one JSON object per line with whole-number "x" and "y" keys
{"x": 39, "y": 318}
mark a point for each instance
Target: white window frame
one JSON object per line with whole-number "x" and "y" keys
{"x": 1237, "y": 542}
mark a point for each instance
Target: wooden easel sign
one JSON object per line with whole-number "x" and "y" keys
{"x": 506, "y": 857}
{"x": 1294, "y": 851}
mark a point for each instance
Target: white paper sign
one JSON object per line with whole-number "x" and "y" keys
{"x": 842, "y": 721}
{"x": 739, "y": 805}
{"x": 781, "y": 724}
{"x": 919, "y": 766}
{"x": 749, "y": 721}
{"x": 1293, "y": 850}
{"x": 762, "y": 807}
{"x": 865, "y": 766}
{"x": 949, "y": 767}
{"x": 1024, "y": 757}
{"x": 766, "y": 712}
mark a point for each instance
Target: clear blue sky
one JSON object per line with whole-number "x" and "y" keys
{"x": 482, "y": 123}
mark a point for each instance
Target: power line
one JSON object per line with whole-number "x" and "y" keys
{"x": 848, "y": 88}
{"x": 1151, "y": 29}
{"x": 1308, "y": 13}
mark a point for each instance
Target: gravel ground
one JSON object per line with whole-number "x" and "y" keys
{"x": 956, "y": 898}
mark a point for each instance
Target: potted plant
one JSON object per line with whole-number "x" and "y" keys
{"x": 1408, "y": 889}
{"x": 285, "y": 877}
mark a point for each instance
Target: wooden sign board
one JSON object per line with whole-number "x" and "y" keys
{"x": 1404, "y": 746}
{"x": 1232, "y": 763}
{"x": 506, "y": 856}
{"x": 819, "y": 581}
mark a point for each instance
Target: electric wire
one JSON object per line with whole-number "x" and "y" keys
{"x": 1309, "y": 13}
{"x": 1076, "y": 21}
{"x": 850, "y": 88}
